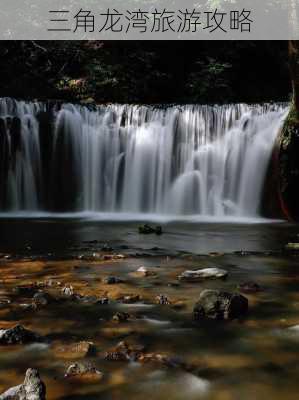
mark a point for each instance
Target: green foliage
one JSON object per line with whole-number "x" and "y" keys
{"x": 210, "y": 81}
{"x": 144, "y": 71}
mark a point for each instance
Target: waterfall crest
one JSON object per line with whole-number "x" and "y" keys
{"x": 179, "y": 160}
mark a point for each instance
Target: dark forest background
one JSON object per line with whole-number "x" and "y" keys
{"x": 145, "y": 72}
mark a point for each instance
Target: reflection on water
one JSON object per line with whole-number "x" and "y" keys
{"x": 59, "y": 235}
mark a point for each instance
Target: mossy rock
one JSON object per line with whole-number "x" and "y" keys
{"x": 288, "y": 164}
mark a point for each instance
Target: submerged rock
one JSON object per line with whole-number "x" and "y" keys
{"x": 124, "y": 352}
{"x": 249, "y": 287}
{"x": 18, "y": 335}
{"x": 33, "y": 388}
{"x": 26, "y": 291}
{"x": 83, "y": 371}
{"x": 201, "y": 274}
{"x": 218, "y": 305}
{"x": 112, "y": 280}
{"x": 76, "y": 350}
{"x": 106, "y": 247}
{"x": 130, "y": 298}
{"x": 147, "y": 229}
{"x": 121, "y": 317}
{"x": 42, "y": 299}
{"x": 4, "y": 302}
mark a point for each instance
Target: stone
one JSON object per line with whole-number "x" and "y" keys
{"x": 106, "y": 247}
{"x": 218, "y": 305}
{"x": 26, "y": 291}
{"x": 83, "y": 371}
{"x": 130, "y": 298}
{"x": 67, "y": 291}
{"x": 121, "y": 317}
{"x": 162, "y": 299}
{"x": 292, "y": 246}
{"x": 76, "y": 350}
{"x": 112, "y": 280}
{"x": 147, "y": 229}
{"x": 249, "y": 287}
{"x": 102, "y": 300}
{"x": 202, "y": 274}
{"x": 42, "y": 299}
{"x": 18, "y": 335}
{"x": 143, "y": 271}
{"x": 113, "y": 257}
{"x": 125, "y": 352}
{"x": 33, "y": 388}
{"x": 4, "y": 302}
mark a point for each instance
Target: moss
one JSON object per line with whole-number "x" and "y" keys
{"x": 289, "y": 162}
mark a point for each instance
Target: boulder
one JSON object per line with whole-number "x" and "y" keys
{"x": 32, "y": 388}
{"x": 218, "y": 305}
{"x": 201, "y": 274}
{"x": 18, "y": 335}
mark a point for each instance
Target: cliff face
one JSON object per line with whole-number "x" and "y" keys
{"x": 288, "y": 164}
{"x": 288, "y": 154}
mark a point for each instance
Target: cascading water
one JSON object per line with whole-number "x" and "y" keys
{"x": 179, "y": 160}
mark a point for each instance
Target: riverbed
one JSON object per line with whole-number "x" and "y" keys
{"x": 255, "y": 357}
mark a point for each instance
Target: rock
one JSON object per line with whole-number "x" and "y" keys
{"x": 102, "y": 300}
{"x": 143, "y": 271}
{"x": 4, "y": 302}
{"x": 26, "y": 291}
{"x": 113, "y": 257}
{"x": 112, "y": 280}
{"x": 121, "y": 317}
{"x": 147, "y": 229}
{"x": 28, "y": 306}
{"x": 76, "y": 350}
{"x": 218, "y": 305}
{"x": 162, "y": 299}
{"x": 18, "y": 335}
{"x": 130, "y": 298}
{"x": 67, "y": 291}
{"x": 164, "y": 360}
{"x": 106, "y": 247}
{"x": 33, "y": 388}
{"x": 201, "y": 274}
{"x": 42, "y": 299}
{"x": 292, "y": 246}
{"x": 82, "y": 370}
{"x": 124, "y": 352}
{"x": 249, "y": 287}
{"x": 52, "y": 283}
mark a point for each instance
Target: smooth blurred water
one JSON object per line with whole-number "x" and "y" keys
{"x": 172, "y": 160}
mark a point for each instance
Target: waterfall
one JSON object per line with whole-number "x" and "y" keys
{"x": 178, "y": 160}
